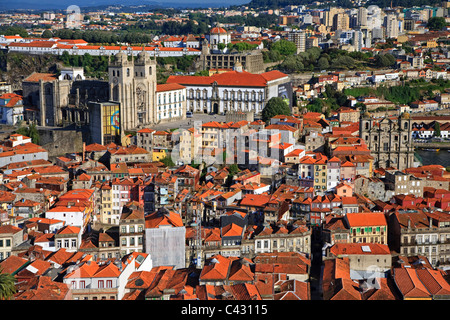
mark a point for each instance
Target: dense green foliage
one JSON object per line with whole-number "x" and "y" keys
{"x": 318, "y": 59}
{"x": 104, "y": 37}
{"x": 30, "y": 131}
{"x": 181, "y": 64}
{"x": 240, "y": 46}
{"x": 167, "y": 160}
{"x": 94, "y": 66}
{"x": 12, "y": 31}
{"x": 385, "y": 60}
{"x": 399, "y": 94}
{"x": 275, "y": 106}
{"x": 436, "y": 23}
{"x": 284, "y": 47}
{"x": 7, "y": 285}
{"x": 316, "y": 105}
{"x": 97, "y": 66}
{"x": 332, "y": 100}
{"x": 412, "y": 91}
{"x": 437, "y": 129}
{"x": 47, "y": 34}
{"x": 279, "y": 50}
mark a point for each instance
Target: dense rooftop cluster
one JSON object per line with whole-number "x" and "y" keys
{"x": 325, "y": 202}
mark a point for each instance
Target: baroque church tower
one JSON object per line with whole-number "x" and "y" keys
{"x": 389, "y": 140}
{"x": 132, "y": 84}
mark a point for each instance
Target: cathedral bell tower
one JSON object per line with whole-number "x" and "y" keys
{"x": 133, "y": 86}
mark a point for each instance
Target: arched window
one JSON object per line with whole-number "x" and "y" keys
{"x": 116, "y": 93}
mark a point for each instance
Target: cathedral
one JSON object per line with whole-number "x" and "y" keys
{"x": 389, "y": 140}
{"x": 52, "y": 101}
{"x": 133, "y": 86}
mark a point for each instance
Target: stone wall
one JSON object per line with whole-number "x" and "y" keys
{"x": 58, "y": 142}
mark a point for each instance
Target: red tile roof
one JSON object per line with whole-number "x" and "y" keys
{"x": 35, "y": 77}
{"x": 409, "y": 283}
{"x": 340, "y": 249}
{"x": 366, "y": 219}
{"x": 232, "y": 78}
{"x": 169, "y": 87}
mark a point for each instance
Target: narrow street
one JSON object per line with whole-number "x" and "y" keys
{"x": 316, "y": 266}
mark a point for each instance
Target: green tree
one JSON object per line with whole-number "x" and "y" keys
{"x": 12, "y": 31}
{"x": 284, "y": 47}
{"x": 272, "y": 56}
{"x": 343, "y": 62}
{"x": 384, "y": 60}
{"x": 233, "y": 169}
{"x": 437, "y": 129}
{"x": 31, "y": 132}
{"x": 275, "y": 106}
{"x": 47, "y": 34}
{"x": 241, "y": 46}
{"x": 436, "y": 23}
{"x": 293, "y": 63}
{"x": 316, "y": 105}
{"x": 323, "y": 63}
{"x": 7, "y": 285}
{"x": 167, "y": 160}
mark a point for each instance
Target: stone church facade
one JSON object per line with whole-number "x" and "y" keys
{"x": 50, "y": 101}
{"x": 389, "y": 140}
{"x": 60, "y": 102}
{"x": 133, "y": 85}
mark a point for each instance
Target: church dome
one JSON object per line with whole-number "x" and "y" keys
{"x": 143, "y": 53}
{"x": 121, "y": 56}
{"x": 143, "y": 56}
{"x": 218, "y": 30}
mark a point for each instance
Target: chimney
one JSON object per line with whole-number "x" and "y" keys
{"x": 409, "y": 223}
{"x": 431, "y": 223}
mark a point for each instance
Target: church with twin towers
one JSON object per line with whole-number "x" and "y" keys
{"x": 133, "y": 84}
{"x": 128, "y": 98}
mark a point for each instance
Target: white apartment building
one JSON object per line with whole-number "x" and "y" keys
{"x": 171, "y": 102}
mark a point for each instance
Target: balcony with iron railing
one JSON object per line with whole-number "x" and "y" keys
{"x": 414, "y": 242}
